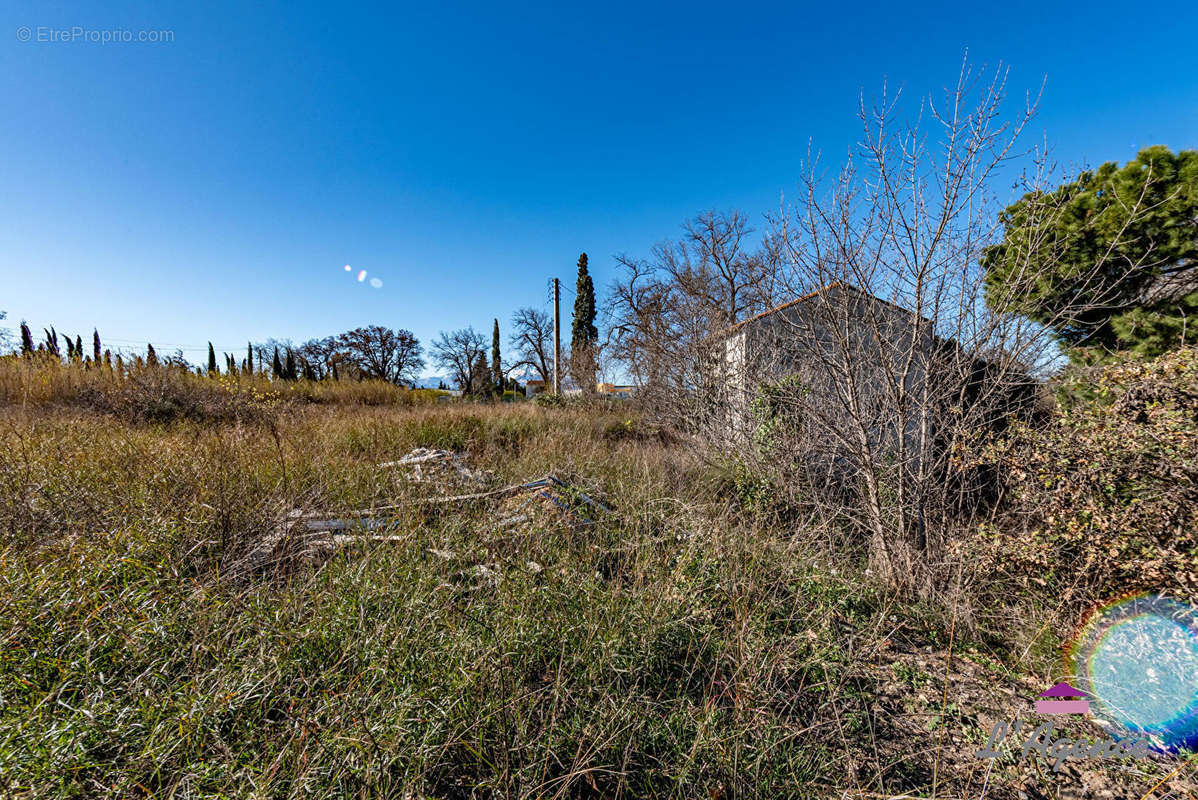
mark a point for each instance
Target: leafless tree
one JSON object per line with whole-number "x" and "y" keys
{"x": 458, "y": 352}
{"x": 319, "y": 355}
{"x": 532, "y": 341}
{"x": 660, "y": 310}
{"x": 380, "y": 352}
{"x": 867, "y": 395}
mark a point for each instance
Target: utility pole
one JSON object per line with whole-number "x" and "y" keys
{"x": 557, "y": 340}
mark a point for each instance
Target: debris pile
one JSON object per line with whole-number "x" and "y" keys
{"x": 306, "y": 535}
{"x": 441, "y": 467}
{"x": 548, "y": 501}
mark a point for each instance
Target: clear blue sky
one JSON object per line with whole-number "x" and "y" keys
{"x": 214, "y": 187}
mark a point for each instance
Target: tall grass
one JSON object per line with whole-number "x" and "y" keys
{"x": 646, "y": 655}
{"x": 157, "y": 392}
{"x": 686, "y": 646}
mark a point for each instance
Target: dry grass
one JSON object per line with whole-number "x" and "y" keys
{"x": 687, "y": 646}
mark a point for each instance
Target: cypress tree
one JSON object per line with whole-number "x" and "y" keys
{"x": 249, "y": 358}
{"x": 96, "y": 344}
{"x": 230, "y": 364}
{"x": 26, "y": 339}
{"x": 151, "y": 356}
{"x": 211, "y": 359}
{"x": 276, "y": 367}
{"x": 496, "y": 364}
{"x": 583, "y": 333}
{"x": 291, "y": 373}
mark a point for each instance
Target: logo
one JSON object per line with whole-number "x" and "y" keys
{"x": 1057, "y": 706}
{"x": 1133, "y": 669}
{"x": 1135, "y": 661}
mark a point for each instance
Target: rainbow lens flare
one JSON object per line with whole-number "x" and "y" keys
{"x": 348, "y": 268}
{"x": 376, "y": 283}
{"x": 1137, "y": 658}
{"x": 361, "y": 276}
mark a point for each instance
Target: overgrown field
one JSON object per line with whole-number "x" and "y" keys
{"x": 686, "y": 645}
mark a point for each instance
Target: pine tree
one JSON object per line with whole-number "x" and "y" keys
{"x": 583, "y": 333}
{"x": 151, "y": 356}
{"x": 26, "y": 339}
{"x": 211, "y": 360}
{"x": 96, "y": 344}
{"x": 496, "y": 363}
{"x": 276, "y": 367}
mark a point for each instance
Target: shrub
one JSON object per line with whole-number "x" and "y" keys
{"x": 1104, "y": 498}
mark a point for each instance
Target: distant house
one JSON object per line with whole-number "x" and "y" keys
{"x": 615, "y": 390}
{"x": 534, "y": 387}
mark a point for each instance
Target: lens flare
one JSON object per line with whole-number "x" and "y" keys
{"x": 1137, "y": 657}
{"x": 361, "y": 276}
{"x": 376, "y": 283}
{"x": 348, "y": 268}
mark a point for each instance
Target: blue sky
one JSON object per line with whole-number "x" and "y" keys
{"x": 213, "y": 187}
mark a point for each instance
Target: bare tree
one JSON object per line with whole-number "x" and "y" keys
{"x": 382, "y": 353}
{"x": 532, "y": 341}
{"x": 319, "y": 355}
{"x": 458, "y": 352}
{"x": 662, "y": 309}
{"x": 867, "y": 393}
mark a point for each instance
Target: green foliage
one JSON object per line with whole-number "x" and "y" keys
{"x": 211, "y": 360}
{"x": 1108, "y": 259}
{"x": 775, "y": 410}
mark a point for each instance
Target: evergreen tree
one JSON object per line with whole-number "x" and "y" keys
{"x": 26, "y": 339}
{"x": 249, "y": 358}
{"x": 496, "y": 363}
{"x": 230, "y": 364}
{"x": 584, "y": 336}
{"x": 151, "y": 356}
{"x": 96, "y": 344}
{"x": 211, "y": 359}
{"x": 1109, "y": 260}
{"x": 276, "y": 367}
{"x": 290, "y": 372}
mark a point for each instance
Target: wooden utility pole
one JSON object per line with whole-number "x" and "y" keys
{"x": 557, "y": 340}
